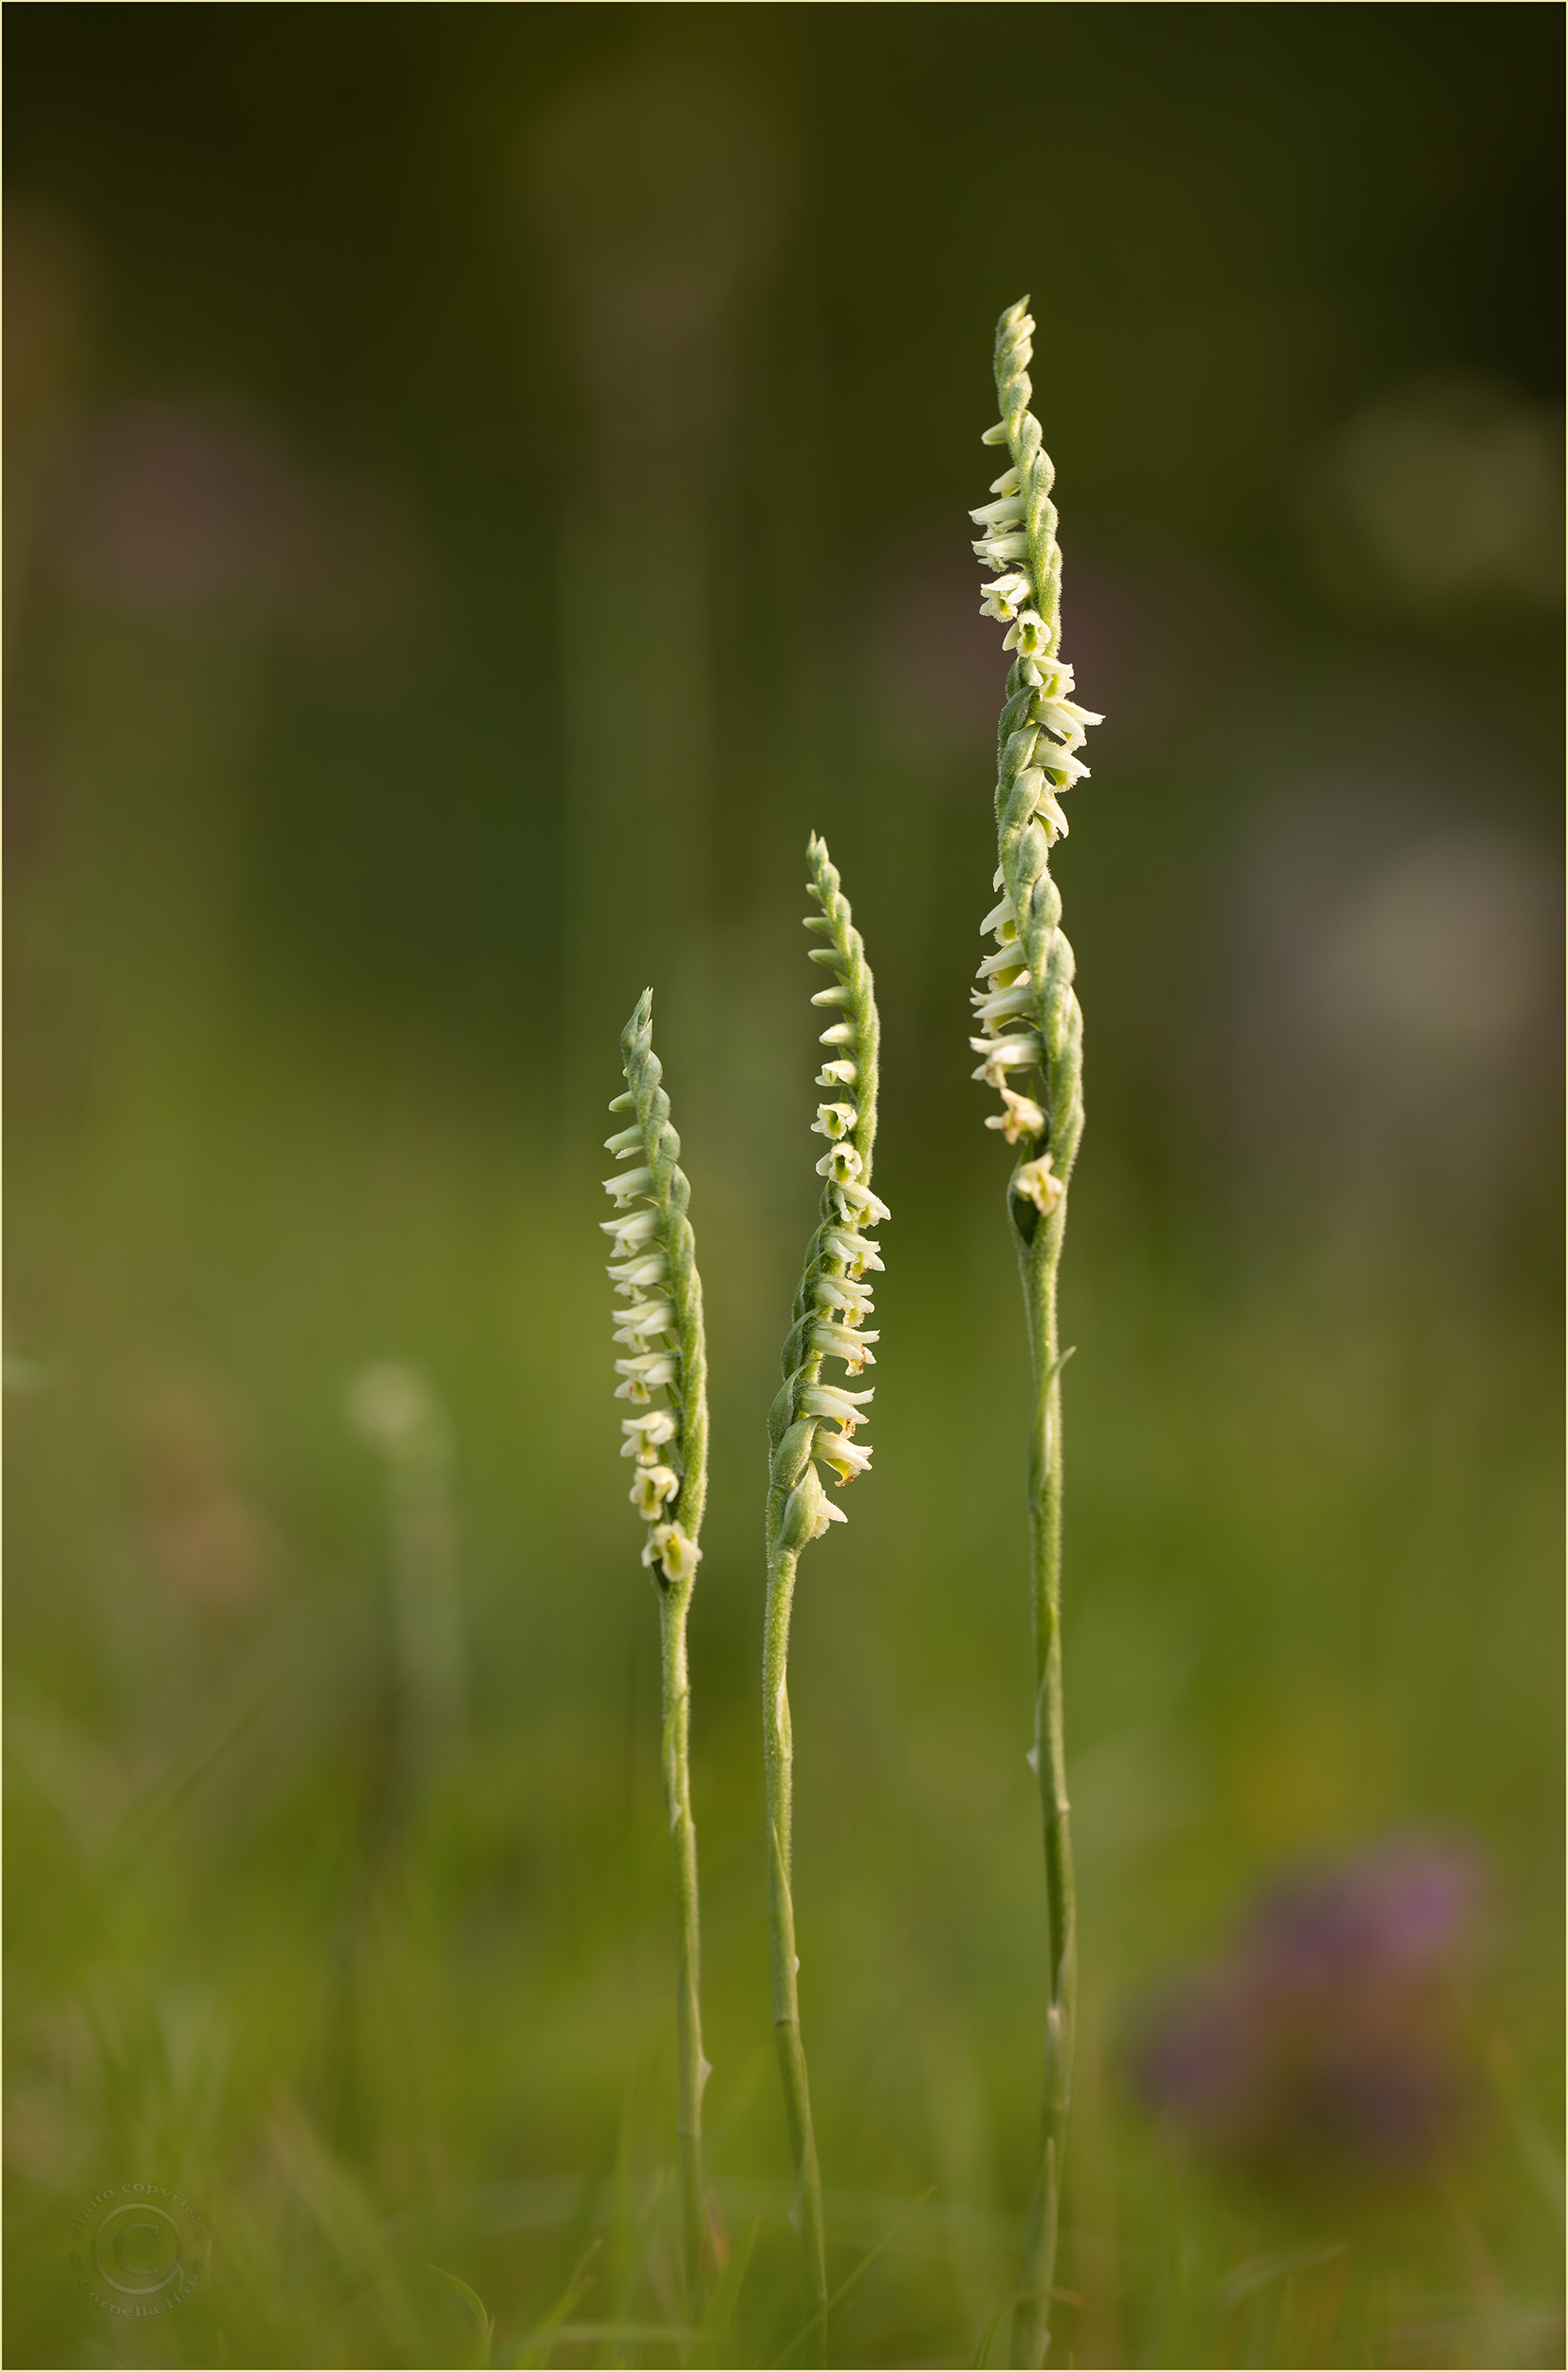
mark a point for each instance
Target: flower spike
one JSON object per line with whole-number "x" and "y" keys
{"x": 656, "y": 1270}
{"x": 1033, "y": 1026}
{"x": 831, "y": 1305}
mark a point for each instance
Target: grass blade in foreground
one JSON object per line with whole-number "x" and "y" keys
{"x": 830, "y": 1304}
{"x": 1033, "y": 1026}
{"x": 656, "y": 1266}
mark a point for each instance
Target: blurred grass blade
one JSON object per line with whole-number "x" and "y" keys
{"x": 474, "y": 2302}
{"x": 720, "y": 2311}
{"x": 836, "y": 2300}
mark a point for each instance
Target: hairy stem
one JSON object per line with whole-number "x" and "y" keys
{"x": 692, "y": 2068}
{"x": 778, "y": 1770}
{"x": 1039, "y": 1261}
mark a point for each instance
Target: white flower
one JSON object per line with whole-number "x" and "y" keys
{"x": 646, "y": 1435}
{"x": 628, "y": 1140}
{"x": 1003, "y": 919}
{"x": 858, "y": 1253}
{"x": 999, "y": 514}
{"x": 633, "y": 1230}
{"x": 1005, "y": 1054}
{"x": 995, "y": 549}
{"x": 644, "y": 1372}
{"x": 1007, "y": 483}
{"x": 1064, "y": 718}
{"x": 1001, "y": 598}
{"x": 833, "y": 1120}
{"x": 1005, "y": 968}
{"x": 1027, "y": 634}
{"x": 1059, "y": 761}
{"x": 841, "y": 1163}
{"x": 847, "y": 1458}
{"x": 859, "y": 1205}
{"x": 845, "y": 1343}
{"x": 630, "y": 1182}
{"x": 1049, "y": 807}
{"x": 1037, "y": 1181}
{"x": 841, "y": 1033}
{"x": 838, "y": 1074}
{"x": 826, "y": 1400}
{"x": 634, "y": 1275}
{"x": 655, "y": 1316}
{"x": 842, "y": 1292}
{"x": 1005, "y": 1003}
{"x": 650, "y": 1486}
{"x": 670, "y": 1547}
{"x": 1023, "y": 1118}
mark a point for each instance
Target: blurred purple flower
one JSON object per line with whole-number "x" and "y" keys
{"x": 1329, "y": 2035}
{"x": 164, "y": 509}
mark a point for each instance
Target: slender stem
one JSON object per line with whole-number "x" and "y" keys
{"x": 1039, "y": 1261}
{"x": 779, "y": 1762}
{"x": 692, "y": 2067}
{"x": 671, "y": 1556}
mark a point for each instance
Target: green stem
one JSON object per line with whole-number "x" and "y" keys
{"x": 675, "y": 1600}
{"x": 778, "y": 1763}
{"x": 1039, "y": 1261}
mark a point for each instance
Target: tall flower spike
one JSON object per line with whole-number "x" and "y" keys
{"x": 1032, "y": 1026}
{"x": 831, "y": 1306}
{"x": 655, "y": 1268}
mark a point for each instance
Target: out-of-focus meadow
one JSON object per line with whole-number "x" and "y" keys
{"x": 483, "y": 483}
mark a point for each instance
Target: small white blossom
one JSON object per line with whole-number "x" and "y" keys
{"x": 845, "y": 1343}
{"x": 1023, "y": 1118}
{"x": 841, "y": 1163}
{"x": 1027, "y": 634}
{"x": 999, "y": 514}
{"x": 847, "y": 1458}
{"x": 842, "y": 1292}
{"x": 646, "y": 1320}
{"x": 1064, "y": 718}
{"x": 841, "y": 1033}
{"x": 630, "y": 1182}
{"x": 1005, "y": 1054}
{"x": 644, "y": 1372}
{"x": 833, "y": 1120}
{"x": 631, "y": 1230}
{"x": 858, "y": 1253}
{"x": 628, "y": 1140}
{"x": 1051, "y": 755}
{"x": 1037, "y": 1180}
{"x": 842, "y": 1074}
{"x": 1003, "y": 1004}
{"x": 634, "y": 1275}
{"x": 995, "y": 549}
{"x": 669, "y": 1548}
{"x": 646, "y": 1435}
{"x": 826, "y": 1400}
{"x": 1001, "y": 598}
{"x": 650, "y": 1486}
{"x": 859, "y": 1205}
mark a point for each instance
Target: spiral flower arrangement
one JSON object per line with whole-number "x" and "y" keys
{"x": 812, "y": 1424}
{"x": 661, "y": 1333}
{"x": 1033, "y": 1033}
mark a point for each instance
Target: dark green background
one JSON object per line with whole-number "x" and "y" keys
{"x": 588, "y": 400}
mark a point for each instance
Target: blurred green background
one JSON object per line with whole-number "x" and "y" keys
{"x": 484, "y": 482}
